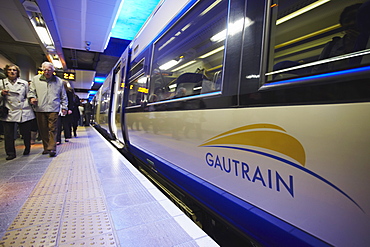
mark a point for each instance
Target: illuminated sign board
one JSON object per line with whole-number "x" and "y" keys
{"x": 70, "y": 76}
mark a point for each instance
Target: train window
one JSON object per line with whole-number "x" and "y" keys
{"x": 187, "y": 60}
{"x": 317, "y": 36}
{"x": 137, "y": 91}
{"x": 136, "y": 67}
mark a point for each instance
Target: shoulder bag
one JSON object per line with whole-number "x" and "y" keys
{"x": 3, "y": 109}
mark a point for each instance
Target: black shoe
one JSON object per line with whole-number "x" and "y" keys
{"x": 45, "y": 152}
{"x": 26, "y": 152}
{"x": 10, "y": 157}
{"x": 52, "y": 153}
{"x": 66, "y": 140}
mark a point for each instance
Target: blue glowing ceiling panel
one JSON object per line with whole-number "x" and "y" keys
{"x": 133, "y": 15}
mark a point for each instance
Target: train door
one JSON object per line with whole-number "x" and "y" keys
{"x": 104, "y": 103}
{"x": 118, "y": 94}
{"x": 115, "y": 104}
{"x": 120, "y": 118}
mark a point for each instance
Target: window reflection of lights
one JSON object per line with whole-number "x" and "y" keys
{"x": 301, "y": 11}
{"x": 186, "y": 27}
{"x": 328, "y": 60}
{"x": 233, "y": 29}
{"x": 219, "y": 36}
{"x": 168, "y": 65}
{"x": 142, "y": 80}
{"x": 237, "y": 26}
{"x": 210, "y": 7}
{"x": 185, "y": 65}
{"x": 213, "y": 52}
{"x": 252, "y": 76}
{"x": 172, "y": 86}
{"x": 165, "y": 44}
{"x": 172, "y": 38}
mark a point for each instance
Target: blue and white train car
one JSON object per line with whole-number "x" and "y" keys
{"x": 253, "y": 116}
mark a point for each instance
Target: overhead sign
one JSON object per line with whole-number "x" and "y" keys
{"x": 70, "y": 76}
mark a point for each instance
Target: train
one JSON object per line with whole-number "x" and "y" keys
{"x": 252, "y": 116}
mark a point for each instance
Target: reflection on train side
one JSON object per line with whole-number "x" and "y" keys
{"x": 187, "y": 60}
{"x": 182, "y": 125}
{"x": 323, "y": 36}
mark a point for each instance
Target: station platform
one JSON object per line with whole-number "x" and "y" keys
{"x": 88, "y": 195}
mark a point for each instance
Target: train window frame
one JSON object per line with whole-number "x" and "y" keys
{"x": 344, "y": 73}
{"x": 141, "y": 93}
{"x": 163, "y": 40}
{"x": 137, "y": 67}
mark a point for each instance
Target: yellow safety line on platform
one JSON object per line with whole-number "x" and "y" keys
{"x": 67, "y": 206}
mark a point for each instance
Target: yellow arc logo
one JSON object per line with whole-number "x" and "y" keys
{"x": 267, "y": 136}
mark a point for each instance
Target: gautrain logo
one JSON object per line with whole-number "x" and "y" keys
{"x": 267, "y": 140}
{"x": 266, "y": 136}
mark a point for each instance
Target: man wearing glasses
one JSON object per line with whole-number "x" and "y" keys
{"x": 48, "y": 97}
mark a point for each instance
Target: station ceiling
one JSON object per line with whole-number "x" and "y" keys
{"x": 89, "y": 35}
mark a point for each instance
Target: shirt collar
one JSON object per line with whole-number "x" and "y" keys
{"x": 43, "y": 78}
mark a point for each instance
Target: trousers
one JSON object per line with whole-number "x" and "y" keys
{"x": 47, "y": 124}
{"x": 10, "y": 135}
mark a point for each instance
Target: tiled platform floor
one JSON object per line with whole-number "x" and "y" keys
{"x": 88, "y": 195}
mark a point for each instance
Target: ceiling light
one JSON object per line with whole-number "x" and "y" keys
{"x": 43, "y": 34}
{"x": 57, "y": 63}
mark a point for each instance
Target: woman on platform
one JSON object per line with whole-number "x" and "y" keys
{"x": 15, "y": 90}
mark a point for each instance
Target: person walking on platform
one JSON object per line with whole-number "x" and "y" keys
{"x": 20, "y": 113}
{"x": 75, "y": 113}
{"x": 48, "y": 96}
{"x": 65, "y": 121}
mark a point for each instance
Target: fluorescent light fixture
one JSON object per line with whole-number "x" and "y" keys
{"x": 57, "y": 63}
{"x": 301, "y": 11}
{"x": 168, "y": 65}
{"x": 213, "y": 52}
{"x": 43, "y": 34}
{"x": 184, "y": 65}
